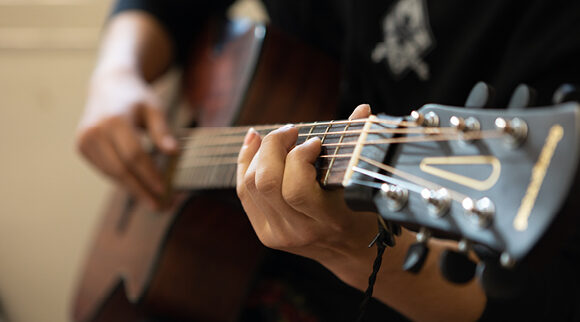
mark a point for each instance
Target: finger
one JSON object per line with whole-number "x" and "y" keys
{"x": 271, "y": 160}
{"x": 267, "y": 170}
{"x": 360, "y": 112}
{"x": 300, "y": 189}
{"x": 158, "y": 128}
{"x": 249, "y": 148}
{"x": 116, "y": 169}
{"x": 126, "y": 142}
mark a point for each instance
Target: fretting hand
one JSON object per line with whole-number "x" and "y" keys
{"x": 287, "y": 207}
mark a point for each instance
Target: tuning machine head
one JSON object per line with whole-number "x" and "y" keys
{"x": 438, "y": 201}
{"x": 396, "y": 196}
{"x": 456, "y": 266}
{"x": 480, "y": 212}
{"x": 469, "y": 124}
{"x": 516, "y": 129}
{"x": 430, "y": 119}
{"x": 417, "y": 253}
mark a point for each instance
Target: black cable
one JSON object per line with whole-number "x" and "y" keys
{"x": 383, "y": 239}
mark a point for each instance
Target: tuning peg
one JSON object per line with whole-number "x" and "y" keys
{"x": 523, "y": 96}
{"x": 455, "y": 266}
{"x": 431, "y": 119}
{"x": 417, "y": 252}
{"x": 566, "y": 93}
{"x": 516, "y": 130}
{"x": 499, "y": 282}
{"x": 480, "y": 96}
{"x": 396, "y": 196}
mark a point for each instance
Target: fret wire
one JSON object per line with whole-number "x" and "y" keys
{"x": 438, "y": 130}
{"x": 326, "y": 132}
{"x": 333, "y": 159}
{"x": 310, "y": 132}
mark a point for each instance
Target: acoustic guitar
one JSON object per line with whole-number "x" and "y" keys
{"x": 492, "y": 178}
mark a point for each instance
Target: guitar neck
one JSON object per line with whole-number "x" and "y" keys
{"x": 209, "y": 155}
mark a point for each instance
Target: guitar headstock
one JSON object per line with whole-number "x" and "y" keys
{"x": 492, "y": 177}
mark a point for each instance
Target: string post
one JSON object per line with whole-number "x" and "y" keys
{"x": 438, "y": 201}
{"x": 396, "y": 196}
{"x": 516, "y": 129}
{"x": 480, "y": 212}
{"x": 469, "y": 124}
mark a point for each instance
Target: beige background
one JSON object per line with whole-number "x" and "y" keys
{"x": 50, "y": 199}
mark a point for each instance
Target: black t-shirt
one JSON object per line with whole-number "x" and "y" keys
{"x": 399, "y": 55}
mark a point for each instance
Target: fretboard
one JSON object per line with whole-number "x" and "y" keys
{"x": 209, "y": 155}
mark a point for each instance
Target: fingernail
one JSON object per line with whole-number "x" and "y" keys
{"x": 250, "y": 136}
{"x": 287, "y": 126}
{"x": 312, "y": 140}
{"x": 169, "y": 143}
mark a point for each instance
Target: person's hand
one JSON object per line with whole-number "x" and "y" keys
{"x": 288, "y": 209}
{"x": 119, "y": 108}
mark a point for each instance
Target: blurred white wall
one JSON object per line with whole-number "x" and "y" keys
{"x": 50, "y": 200}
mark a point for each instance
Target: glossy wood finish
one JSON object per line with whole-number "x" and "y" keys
{"x": 197, "y": 260}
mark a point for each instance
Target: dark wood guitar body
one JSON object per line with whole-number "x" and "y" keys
{"x": 197, "y": 260}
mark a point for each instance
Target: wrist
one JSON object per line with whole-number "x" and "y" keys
{"x": 353, "y": 263}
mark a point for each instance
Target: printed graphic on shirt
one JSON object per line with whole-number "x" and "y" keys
{"x": 407, "y": 39}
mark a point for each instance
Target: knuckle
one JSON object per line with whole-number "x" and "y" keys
{"x": 266, "y": 183}
{"x": 294, "y": 195}
{"x": 249, "y": 181}
{"x": 241, "y": 192}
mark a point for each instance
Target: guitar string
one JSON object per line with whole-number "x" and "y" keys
{"x": 195, "y": 135}
{"x": 415, "y": 139}
{"x": 418, "y": 130}
{"x": 210, "y": 159}
{"x": 412, "y": 183}
{"x": 244, "y": 129}
{"x": 412, "y": 178}
{"x": 425, "y": 138}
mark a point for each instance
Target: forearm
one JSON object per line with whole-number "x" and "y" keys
{"x": 422, "y": 297}
{"x": 135, "y": 42}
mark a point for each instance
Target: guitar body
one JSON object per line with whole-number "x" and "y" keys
{"x": 198, "y": 260}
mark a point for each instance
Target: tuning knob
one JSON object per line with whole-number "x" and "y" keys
{"x": 455, "y": 266}
{"x": 566, "y": 93}
{"x": 499, "y": 282}
{"x": 480, "y": 96}
{"x": 522, "y": 97}
{"x": 417, "y": 252}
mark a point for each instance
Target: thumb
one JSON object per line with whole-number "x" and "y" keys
{"x": 158, "y": 128}
{"x": 360, "y": 112}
